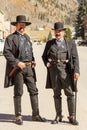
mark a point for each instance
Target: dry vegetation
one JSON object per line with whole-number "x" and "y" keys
{"x": 42, "y": 13}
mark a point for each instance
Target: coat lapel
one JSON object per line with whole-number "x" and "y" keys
{"x": 67, "y": 46}
{"x": 16, "y": 39}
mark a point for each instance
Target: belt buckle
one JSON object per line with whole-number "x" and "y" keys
{"x": 64, "y": 61}
{"x": 28, "y": 63}
{"x": 58, "y": 61}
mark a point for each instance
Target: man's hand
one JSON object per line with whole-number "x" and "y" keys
{"x": 21, "y": 65}
{"x": 76, "y": 76}
{"x": 48, "y": 64}
{"x": 33, "y": 64}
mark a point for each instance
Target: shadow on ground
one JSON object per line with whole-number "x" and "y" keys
{"x": 11, "y": 118}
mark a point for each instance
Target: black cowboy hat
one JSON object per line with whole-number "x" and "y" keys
{"x": 21, "y": 19}
{"x": 59, "y": 26}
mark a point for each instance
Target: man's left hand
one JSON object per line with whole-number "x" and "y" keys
{"x": 33, "y": 64}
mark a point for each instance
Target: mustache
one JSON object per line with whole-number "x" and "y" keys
{"x": 57, "y": 35}
{"x": 21, "y": 28}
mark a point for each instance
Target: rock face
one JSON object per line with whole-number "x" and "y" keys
{"x": 41, "y": 12}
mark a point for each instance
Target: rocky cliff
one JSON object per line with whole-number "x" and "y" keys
{"x": 41, "y": 12}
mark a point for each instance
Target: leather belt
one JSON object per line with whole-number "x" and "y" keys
{"x": 58, "y": 61}
{"x": 64, "y": 61}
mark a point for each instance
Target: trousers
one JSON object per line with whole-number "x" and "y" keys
{"x": 21, "y": 77}
{"x": 60, "y": 79}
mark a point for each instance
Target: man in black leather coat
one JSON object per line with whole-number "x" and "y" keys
{"x": 61, "y": 60}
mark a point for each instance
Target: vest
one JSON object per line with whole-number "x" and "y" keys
{"x": 58, "y": 52}
{"x": 25, "y": 49}
{"x": 62, "y": 51}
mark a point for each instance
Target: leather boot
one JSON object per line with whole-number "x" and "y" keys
{"x": 19, "y": 120}
{"x": 35, "y": 109}
{"x": 17, "y": 106}
{"x": 72, "y": 120}
{"x": 17, "y": 109}
{"x": 58, "y": 107}
{"x": 72, "y": 111}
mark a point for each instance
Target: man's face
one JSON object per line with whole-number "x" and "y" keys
{"x": 20, "y": 27}
{"x": 59, "y": 33}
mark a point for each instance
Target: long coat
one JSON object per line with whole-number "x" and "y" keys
{"x": 73, "y": 64}
{"x": 11, "y": 52}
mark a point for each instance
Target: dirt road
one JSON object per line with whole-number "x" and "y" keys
{"x": 46, "y": 103}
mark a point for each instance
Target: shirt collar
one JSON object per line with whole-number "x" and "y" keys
{"x": 60, "y": 40}
{"x": 20, "y": 33}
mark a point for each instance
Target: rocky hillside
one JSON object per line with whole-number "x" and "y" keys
{"x": 79, "y": 1}
{"x": 41, "y": 12}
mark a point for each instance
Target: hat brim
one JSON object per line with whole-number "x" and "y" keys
{"x": 14, "y": 23}
{"x": 59, "y": 29}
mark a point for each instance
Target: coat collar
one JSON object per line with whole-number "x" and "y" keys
{"x": 16, "y": 39}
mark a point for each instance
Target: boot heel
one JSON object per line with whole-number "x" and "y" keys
{"x": 73, "y": 121}
{"x": 57, "y": 119}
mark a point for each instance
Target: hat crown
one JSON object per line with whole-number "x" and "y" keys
{"x": 59, "y": 26}
{"x": 21, "y": 18}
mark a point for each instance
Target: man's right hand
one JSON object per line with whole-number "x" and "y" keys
{"x": 21, "y": 65}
